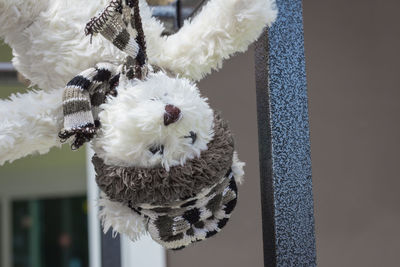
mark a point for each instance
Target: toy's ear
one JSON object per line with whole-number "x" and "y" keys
{"x": 222, "y": 28}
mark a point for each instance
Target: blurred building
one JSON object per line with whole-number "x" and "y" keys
{"x": 43, "y": 202}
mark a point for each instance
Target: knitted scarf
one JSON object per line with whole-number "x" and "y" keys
{"x": 82, "y": 98}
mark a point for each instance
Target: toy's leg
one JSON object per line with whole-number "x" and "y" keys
{"x": 121, "y": 219}
{"x": 222, "y": 28}
{"x": 29, "y": 123}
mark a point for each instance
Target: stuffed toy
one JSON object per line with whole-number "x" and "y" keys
{"x": 165, "y": 161}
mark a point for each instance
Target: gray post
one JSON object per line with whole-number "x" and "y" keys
{"x": 284, "y": 144}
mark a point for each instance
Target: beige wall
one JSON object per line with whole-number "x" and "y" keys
{"x": 352, "y": 51}
{"x": 354, "y": 88}
{"x": 232, "y": 91}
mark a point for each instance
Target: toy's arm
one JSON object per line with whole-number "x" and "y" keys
{"x": 222, "y": 28}
{"x": 17, "y": 15}
{"x": 29, "y": 124}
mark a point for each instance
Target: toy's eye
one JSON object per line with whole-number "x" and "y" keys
{"x": 157, "y": 149}
{"x": 154, "y": 99}
{"x": 193, "y": 136}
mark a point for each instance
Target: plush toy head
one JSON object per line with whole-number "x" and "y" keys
{"x": 158, "y": 121}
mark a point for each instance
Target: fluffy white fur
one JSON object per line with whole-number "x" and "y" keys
{"x": 237, "y": 168}
{"x": 133, "y": 122}
{"x": 17, "y": 15}
{"x": 29, "y": 123}
{"x": 121, "y": 219}
{"x": 50, "y": 47}
{"x": 223, "y": 28}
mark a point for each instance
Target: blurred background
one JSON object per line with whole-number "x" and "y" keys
{"x": 43, "y": 202}
{"x": 353, "y": 83}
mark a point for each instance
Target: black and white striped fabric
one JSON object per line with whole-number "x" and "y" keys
{"x": 115, "y": 24}
{"x": 82, "y": 98}
{"x": 120, "y": 23}
{"x": 177, "y": 225}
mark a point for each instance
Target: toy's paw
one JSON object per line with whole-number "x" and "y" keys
{"x": 81, "y": 135}
{"x": 121, "y": 218}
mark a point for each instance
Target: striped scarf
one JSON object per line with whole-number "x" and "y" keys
{"x": 82, "y": 98}
{"x": 120, "y": 23}
{"x": 191, "y": 220}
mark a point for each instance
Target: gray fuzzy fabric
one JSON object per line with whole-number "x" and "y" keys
{"x": 156, "y": 186}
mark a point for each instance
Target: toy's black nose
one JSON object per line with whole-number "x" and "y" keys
{"x": 171, "y": 115}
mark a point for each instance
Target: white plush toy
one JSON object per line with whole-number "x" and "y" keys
{"x": 164, "y": 160}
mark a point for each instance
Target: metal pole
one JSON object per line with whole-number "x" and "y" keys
{"x": 178, "y": 17}
{"x": 285, "y": 162}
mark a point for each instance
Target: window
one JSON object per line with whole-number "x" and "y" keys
{"x": 50, "y": 232}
